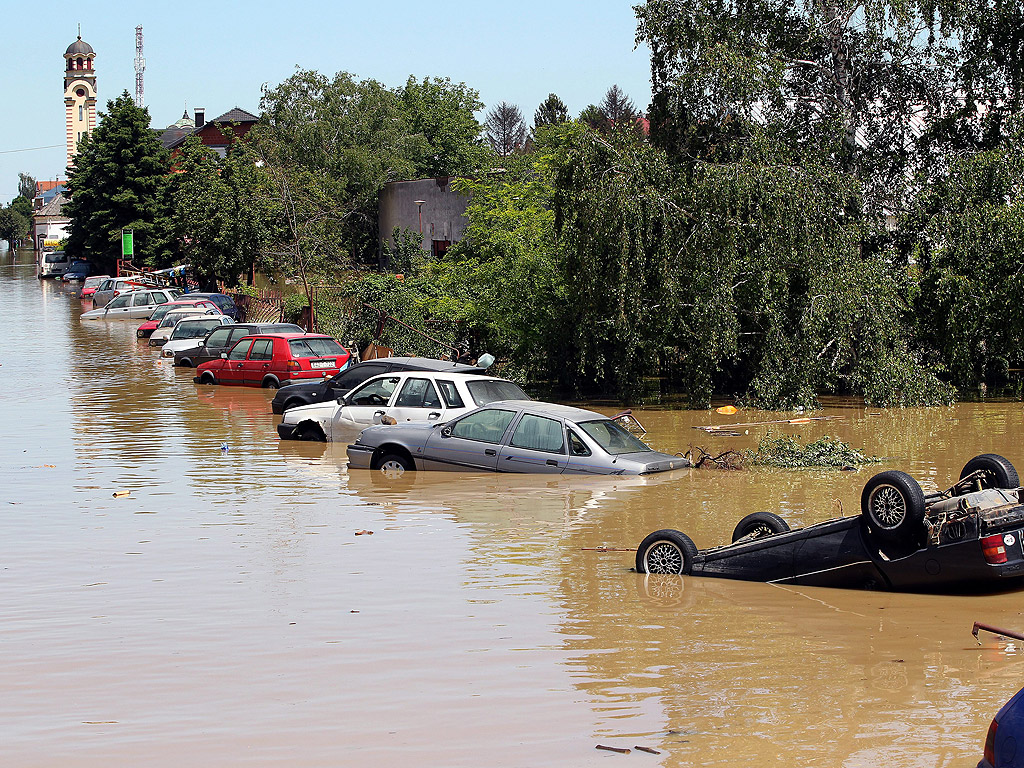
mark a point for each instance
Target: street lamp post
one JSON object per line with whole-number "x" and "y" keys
{"x": 419, "y": 207}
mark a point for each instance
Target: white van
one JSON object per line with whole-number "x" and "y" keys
{"x": 53, "y": 263}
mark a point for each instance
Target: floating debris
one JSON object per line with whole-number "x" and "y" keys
{"x": 722, "y": 428}
{"x": 121, "y": 494}
{"x": 648, "y": 750}
{"x": 364, "y": 532}
{"x": 620, "y": 750}
{"x": 788, "y": 452}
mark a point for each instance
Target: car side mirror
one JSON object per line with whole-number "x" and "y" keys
{"x": 446, "y": 432}
{"x": 223, "y": 355}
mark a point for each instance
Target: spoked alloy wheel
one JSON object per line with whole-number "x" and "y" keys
{"x": 666, "y": 551}
{"x": 894, "y": 506}
{"x": 394, "y": 466}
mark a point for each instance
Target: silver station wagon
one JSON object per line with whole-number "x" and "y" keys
{"x": 511, "y": 436}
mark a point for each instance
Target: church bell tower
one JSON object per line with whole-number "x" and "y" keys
{"x": 79, "y": 95}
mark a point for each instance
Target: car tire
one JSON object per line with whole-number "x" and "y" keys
{"x": 666, "y": 551}
{"x": 893, "y": 505}
{"x": 184, "y": 363}
{"x": 999, "y": 472}
{"x": 270, "y": 383}
{"x": 310, "y": 433}
{"x": 394, "y": 465}
{"x": 757, "y": 525}
{"x": 207, "y": 378}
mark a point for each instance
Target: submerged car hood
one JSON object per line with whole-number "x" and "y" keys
{"x": 310, "y": 411}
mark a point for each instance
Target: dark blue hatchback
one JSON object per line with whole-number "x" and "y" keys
{"x": 1004, "y": 745}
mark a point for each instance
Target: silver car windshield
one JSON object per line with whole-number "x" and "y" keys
{"x": 612, "y": 438}
{"x": 491, "y": 391}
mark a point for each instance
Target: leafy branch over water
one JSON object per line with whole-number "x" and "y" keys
{"x": 787, "y": 451}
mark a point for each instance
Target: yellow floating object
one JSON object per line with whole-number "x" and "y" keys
{"x": 727, "y": 410}
{"x": 119, "y": 494}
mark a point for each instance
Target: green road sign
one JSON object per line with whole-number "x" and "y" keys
{"x": 127, "y": 242}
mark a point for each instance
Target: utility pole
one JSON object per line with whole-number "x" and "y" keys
{"x": 140, "y": 67}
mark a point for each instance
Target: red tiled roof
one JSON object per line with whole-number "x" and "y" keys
{"x": 46, "y": 186}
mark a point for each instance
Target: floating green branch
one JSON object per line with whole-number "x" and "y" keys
{"x": 787, "y": 451}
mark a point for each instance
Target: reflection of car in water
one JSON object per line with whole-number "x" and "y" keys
{"x": 903, "y": 539}
{"x": 512, "y": 436}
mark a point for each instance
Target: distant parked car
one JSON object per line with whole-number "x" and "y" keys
{"x": 53, "y": 263}
{"x": 77, "y": 271}
{"x": 175, "y": 316}
{"x": 418, "y": 396}
{"x": 221, "y": 340}
{"x": 965, "y": 536}
{"x": 185, "y": 333}
{"x": 1005, "y": 735}
{"x": 306, "y": 393}
{"x": 115, "y": 286}
{"x": 91, "y": 284}
{"x": 132, "y": 305}
{"x": 146, "y": 329}
{"x": 266, "y": 360}
{"x": 223, "y": 302}
{"x": 511, "y": 436}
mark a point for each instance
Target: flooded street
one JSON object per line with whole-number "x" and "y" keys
{"x": 226, "y": 614}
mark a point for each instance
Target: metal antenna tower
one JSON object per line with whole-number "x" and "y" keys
{"x": 140, "y": 67}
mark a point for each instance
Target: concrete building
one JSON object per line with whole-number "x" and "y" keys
{"x": 79, "y": 95}
{"x": 427, "y": 206}
{"x": 49, "y": 224}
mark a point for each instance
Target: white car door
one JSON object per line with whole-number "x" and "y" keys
{"x": 367, "y": 403}
{"x": 119, "y": 307}
{"x": 142, "y": 305}
{"x": 417, "y": 401}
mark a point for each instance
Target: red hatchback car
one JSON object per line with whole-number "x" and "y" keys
{"x": 269, "y": 359}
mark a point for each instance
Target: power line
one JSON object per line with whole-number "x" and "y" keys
{"x": 29, "y": 149}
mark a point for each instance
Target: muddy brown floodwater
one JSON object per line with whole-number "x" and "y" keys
{"x": 226, "y": 614}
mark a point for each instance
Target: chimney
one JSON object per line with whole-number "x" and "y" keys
{"x": 200, "y": 117}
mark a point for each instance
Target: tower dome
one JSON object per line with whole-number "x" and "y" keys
{"x": 79, "y": 48}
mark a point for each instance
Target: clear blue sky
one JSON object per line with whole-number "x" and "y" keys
{"x": 217, "y": 55}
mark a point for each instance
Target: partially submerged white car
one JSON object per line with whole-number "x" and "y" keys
{"x": 396, "y": 398}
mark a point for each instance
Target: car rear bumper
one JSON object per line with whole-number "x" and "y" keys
{"x": 359, "y": 456}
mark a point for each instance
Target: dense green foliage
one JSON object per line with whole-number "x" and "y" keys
{"x": 120, "y": 181}
{"x": 13, "y": 226}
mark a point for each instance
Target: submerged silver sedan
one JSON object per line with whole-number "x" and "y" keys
{"x": 511, "y": 436}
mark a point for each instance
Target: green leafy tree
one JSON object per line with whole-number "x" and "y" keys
{"x": 220, "y": 221}
{"x": 120, "y": 181}
{"x": 13, "y": 226}
{"x": 22, "y": 205}
{"x": 328, "y": 146}
{"x": 443, "y": 114}
{"x": 26, "y": 186}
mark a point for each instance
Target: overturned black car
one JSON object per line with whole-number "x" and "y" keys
{"x": 904, "y": 539}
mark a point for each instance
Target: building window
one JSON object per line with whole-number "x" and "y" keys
{"x": 81, "y": 112}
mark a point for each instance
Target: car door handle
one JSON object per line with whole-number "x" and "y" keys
{"x": 433, "y": 415}
{"x": 490, "y": 452}
{"x": 240, "y": 365}
{"x": 552, "y": 463}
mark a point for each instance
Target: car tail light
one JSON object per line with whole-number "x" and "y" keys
{"x": 990, "y": 743}
{"x": 994, "y": 549}
{"x": 292, "y": 365}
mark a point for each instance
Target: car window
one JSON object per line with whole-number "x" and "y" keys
{"x": 315, "y": 348}
{"x": 237, "y": 333}
{"x": 375, "y": 392}
{"x": 451, "y": 394}
{"x": 159, "y": 312}
{"x": 120, "y": 301}
{"x": 161, "y": 297}
{"x": 219, "y": 338}
{"x": 357, "y": 375}
{"x": 262, "y": 349}
{"x": 486, "y": 425}
{"x": 576, "y": 445}
{"x": 193, "y": 329}
{"x": 538, "y": 433}
{"x": 492, "y": 390}
{"x": 418, "y": 393}
{"x": 170, "y": 319}
{"x": 280, "y": 328}
{"x": 611, "y": 437}
{"x": 240, "y": 349}
{"x": 141, "y": 298}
